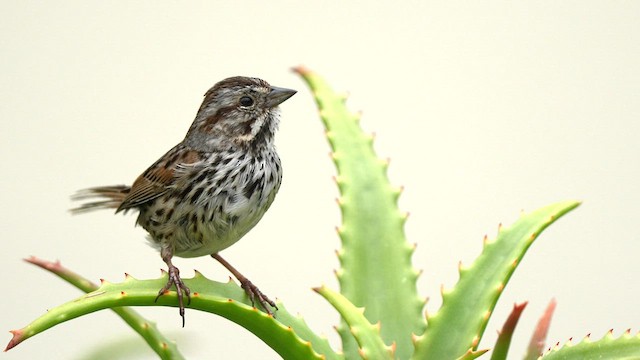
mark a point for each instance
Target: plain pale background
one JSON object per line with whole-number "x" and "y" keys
{"x": 485, "y": 109}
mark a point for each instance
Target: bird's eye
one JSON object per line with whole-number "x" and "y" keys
{"x": 246, "y": 101}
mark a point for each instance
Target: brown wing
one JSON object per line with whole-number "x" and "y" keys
{"x": 157, "y": 179}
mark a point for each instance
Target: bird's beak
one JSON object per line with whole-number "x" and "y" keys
{"x": 278, "y": 95}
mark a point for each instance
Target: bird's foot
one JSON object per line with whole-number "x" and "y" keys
{"x": 255, "y": 294}
{"x": 251, "y": 290}
{"x": 181, "y": 289}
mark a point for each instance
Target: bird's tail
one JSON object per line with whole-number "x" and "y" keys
{"x": 104, "y": 197}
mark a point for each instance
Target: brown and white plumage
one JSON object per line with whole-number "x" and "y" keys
{"x": 208, "y": 191}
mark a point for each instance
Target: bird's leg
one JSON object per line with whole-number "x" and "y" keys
{"x": 252, "y": 291}
{"x": 174, "y": 279}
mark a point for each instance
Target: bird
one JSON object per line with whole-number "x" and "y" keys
{"x": 210, "y": 189}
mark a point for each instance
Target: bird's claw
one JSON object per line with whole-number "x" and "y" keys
{"x": 254, "y": 293}
{"x": 181, "y": 289}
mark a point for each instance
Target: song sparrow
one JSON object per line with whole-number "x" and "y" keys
{"x": 213, "y": 187}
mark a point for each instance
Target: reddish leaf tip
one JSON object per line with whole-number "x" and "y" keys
{"x": 301, "y": 69}
{"x": 15, "y": 340}
{"x": 522, "y": 305}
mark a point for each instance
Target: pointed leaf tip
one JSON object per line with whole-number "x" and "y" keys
{"x": 15, "y": 339}
{"x": 538, "y": 339}
{"x": 301, "y": 69}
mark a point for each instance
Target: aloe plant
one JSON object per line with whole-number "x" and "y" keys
{"x": 383, "y": 315}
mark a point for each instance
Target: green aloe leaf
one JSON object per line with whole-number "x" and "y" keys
{"x": 625, "y": 347}
{"x": 460, "y": 322}
{"x": 165, "y": 348}
{"x": 376, "y": 270}
{"x": 366, "y": 334}
{"x": 288, "y": 335}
